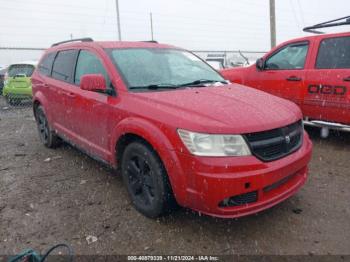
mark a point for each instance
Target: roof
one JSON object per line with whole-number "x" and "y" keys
{"x": 34, "y": 63}
{"x": 320, "y": 36}
{"x": 306, "y": 38}
{"x": 112, "y": 44}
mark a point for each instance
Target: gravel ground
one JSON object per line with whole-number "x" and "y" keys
{"x": 51, "y": 196}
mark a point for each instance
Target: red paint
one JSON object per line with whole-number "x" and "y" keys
{"x": 328, "y": 104}
{"x": 95, "y": 122}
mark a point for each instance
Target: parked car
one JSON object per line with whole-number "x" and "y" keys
{"x": 216, "y": 60}
{"x": 313, "y": 72}
{"x": 2, "y": 79}
{"x": 18, "y": 85}
{"x": 176, "y": 130}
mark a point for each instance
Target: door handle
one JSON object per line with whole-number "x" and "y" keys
{"x": 70, "y": 95}
{"x": 347, "y": 79}
{"x": 293, "y": 78}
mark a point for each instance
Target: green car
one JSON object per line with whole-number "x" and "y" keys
{"x": 18, "y": 84}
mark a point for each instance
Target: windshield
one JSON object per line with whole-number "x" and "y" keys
{"x": 161, "y": 67}
{"x": 26, "y": 70}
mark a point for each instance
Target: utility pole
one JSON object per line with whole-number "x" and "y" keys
{"x": 150, "y": 15}
{"x": 118, "y": 20}
{"x": 273, "y": 23}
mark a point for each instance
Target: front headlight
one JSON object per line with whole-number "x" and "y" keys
{"x": 214, "y": 145}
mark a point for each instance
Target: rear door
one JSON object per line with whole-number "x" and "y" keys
{"x": 62, "y": 90}
{"x": 326, "y": 94}
{"x": 283, "y": 74}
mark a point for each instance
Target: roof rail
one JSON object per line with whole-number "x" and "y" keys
{"x": 150, "y": 41}
{"x": 331, "y": 23}
{"x": 86, "y": 39}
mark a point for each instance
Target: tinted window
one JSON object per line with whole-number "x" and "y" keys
{"x": 290, "y": 57}
{"x": 26, "y": 70}
{"x": 64, "y": 65}
{"x": 88, "y": 63}
{"x": 46, "y": 64}
{"x": 334, "y": 53}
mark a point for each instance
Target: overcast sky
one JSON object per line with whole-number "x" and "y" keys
{"x": 192, "y": 24}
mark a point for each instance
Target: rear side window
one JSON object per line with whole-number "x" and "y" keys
{"x": 46, "y": 64}
{"x": 63, "y": 65}
{"x": 88, "y": 63}
{"x": 26, "y": 70}
{"x": 334, "y": 53}
{"x": 290, "y": 57}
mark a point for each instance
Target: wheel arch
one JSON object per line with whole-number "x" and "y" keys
{"x": 133, "y": 129}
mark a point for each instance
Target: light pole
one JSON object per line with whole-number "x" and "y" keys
{"x": 273, "y": 23}
{"x": 118, "y": 20}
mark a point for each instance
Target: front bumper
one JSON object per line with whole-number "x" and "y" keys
{"x": 212, "y": 180}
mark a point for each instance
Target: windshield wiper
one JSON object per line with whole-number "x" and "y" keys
{"x": 155, "y": 86}
{"x": 201, "y": 82}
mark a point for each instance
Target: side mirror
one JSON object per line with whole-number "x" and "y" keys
{"x": 260, "y": 64}
{"x": 93, "y": 82}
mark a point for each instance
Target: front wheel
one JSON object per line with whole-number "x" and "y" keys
{"x": 47, "y": 136}
{"x": 146, "y": 180}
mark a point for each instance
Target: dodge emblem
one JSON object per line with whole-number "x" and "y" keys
{"x": 287, "y": 139}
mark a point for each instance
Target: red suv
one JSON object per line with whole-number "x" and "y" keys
{"x": 178, "y": 132}
{"x": 313, "y": 72}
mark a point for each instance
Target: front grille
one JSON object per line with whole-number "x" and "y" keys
{"x": 239, "y": 200}
{"x": 276, "y": 143}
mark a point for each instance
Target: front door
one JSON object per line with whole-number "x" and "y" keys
{"x": 283, "y": 73}
{"x": 93, "y": 111}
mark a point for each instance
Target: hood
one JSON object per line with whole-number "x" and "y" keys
{"x": 236, "y": 74}
{"x": 229, "y": 109}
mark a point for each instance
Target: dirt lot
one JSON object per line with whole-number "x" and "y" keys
{"x": 51, "y": 196}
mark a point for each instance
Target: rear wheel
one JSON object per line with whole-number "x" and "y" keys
{"x": 146, "y": 180}
{"x": 47, "y": 136}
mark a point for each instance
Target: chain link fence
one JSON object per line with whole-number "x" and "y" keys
{"x": 15, "y": 101}
{"x": 227, "y": 59}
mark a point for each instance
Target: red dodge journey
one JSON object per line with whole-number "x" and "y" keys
{"x": 177, "y": 131}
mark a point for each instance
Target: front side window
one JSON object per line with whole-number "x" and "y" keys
{"x": 141, "y": 67}
{"x": 22, "y": 69}
{"x": 88, "y": 63}
{"x": 334, "y": 53}
{"x": 63, "y": 65}
{"x": 46, "y": 64}
{"x": 288, "y": 58}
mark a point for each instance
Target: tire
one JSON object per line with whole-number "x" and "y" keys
{"x": 46, "y": 134}
{"x": 146, "y": 180}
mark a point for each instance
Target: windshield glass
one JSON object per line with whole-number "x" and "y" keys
{"x": 146, "y": 67}
{"x": 26, "y": 70}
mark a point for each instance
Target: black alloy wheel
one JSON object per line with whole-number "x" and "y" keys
{"x": 47, "y": 136}
{"x": 146, "y": 180}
